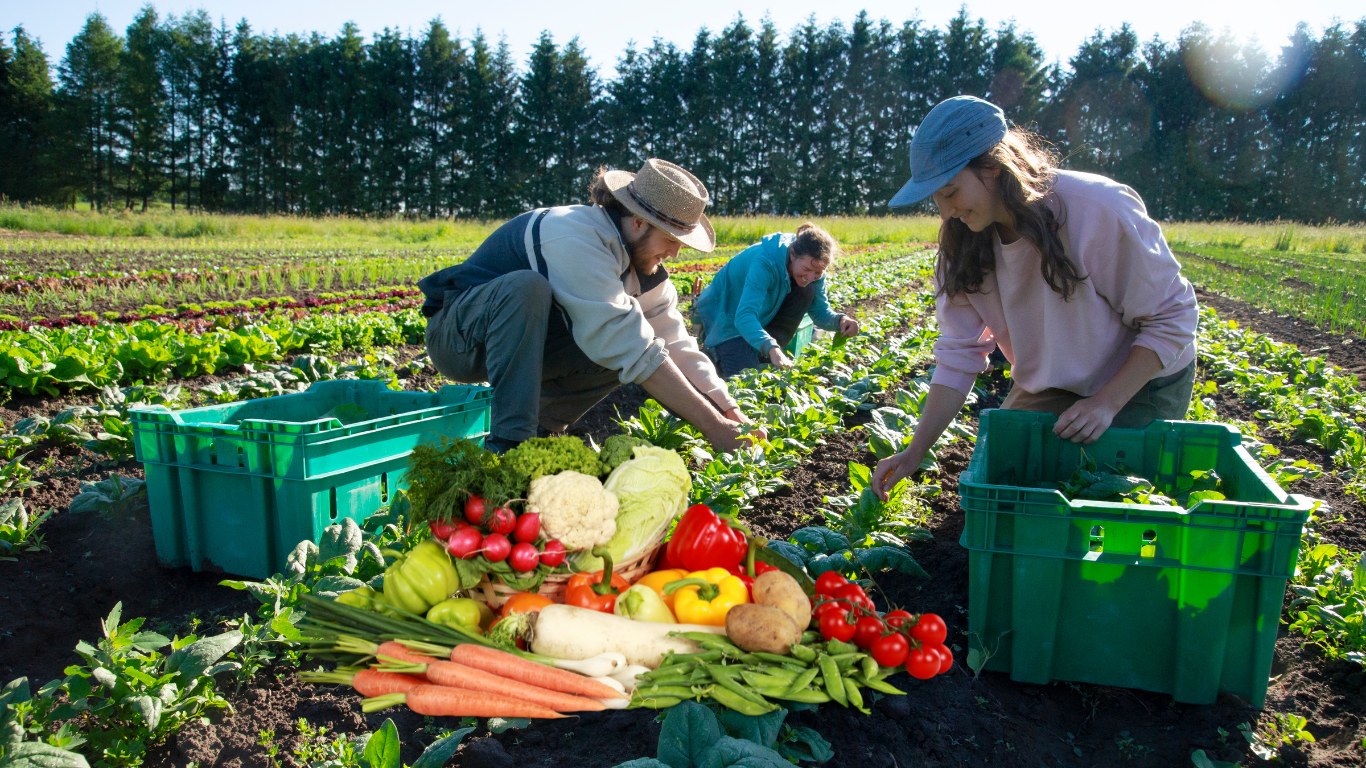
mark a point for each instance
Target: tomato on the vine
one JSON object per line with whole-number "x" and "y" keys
{"x": 945, "y": 658}
{"x": 830, "y": 581}
{"x": 897, "y": 619}
{"x": 854, "y": 595}
{"x": 923, "y": 663}
{"x": 930, "y": 629}
{"x": 890, "y": 650}
{"x": 835, "y": 626}
{"x": 867, "y": 631}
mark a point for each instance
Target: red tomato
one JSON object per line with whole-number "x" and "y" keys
{"x": 442, "y": 529}
{"x": 898, "y": 619}
{"x": 554, "y": 553}
{"x": 524, "y": 557}
{"x": 497, "y": 547}
{"x": 502, "y": 521}
{"x": 891, "y": 650}
{"x": 835, "y": 626}
{"x": 945, "y": 658}
{"x": 855, "y": 595}
{"x": 464, "y": 543}
{"x": 930, "y": 630}
{"x": 867, "y": 631}
{"x": 821, "y": 607}
{"x": 830, "y": 581}
{"x": 528, "y": 528}
{"x": 922, "y": 663}
{"x": 474, "y": 510}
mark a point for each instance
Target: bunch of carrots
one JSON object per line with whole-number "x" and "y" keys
{"x": 477, "y": 681}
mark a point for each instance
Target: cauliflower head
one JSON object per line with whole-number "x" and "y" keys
{"x": 574, "y": 508}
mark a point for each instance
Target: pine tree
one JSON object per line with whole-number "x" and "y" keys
{"x": 88, "y": 105}
{"x": 26, "y": 172}
{"x": 143, "y": 109}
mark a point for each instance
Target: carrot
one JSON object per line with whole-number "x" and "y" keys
{"x": 399, "y": 651}
{"x": 505, "y": 664}
{"x": 367, "y": 682}
{"x": 441, "y": 701}
{"x": 454, "y": 675}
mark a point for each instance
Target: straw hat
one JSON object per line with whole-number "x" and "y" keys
{"x": 669, "y": 198}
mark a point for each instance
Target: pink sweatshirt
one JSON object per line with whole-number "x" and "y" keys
{"x": 1133, "y": 295}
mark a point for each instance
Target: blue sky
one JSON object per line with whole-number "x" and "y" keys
{"x": 605, "y": 27}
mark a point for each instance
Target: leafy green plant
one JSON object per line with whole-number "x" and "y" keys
{"x": 1329, "y": 607}
{"x": 18, "y": 529}
{"x": 694, "y": 737}
{"x": 111, "y": 497}
{"x": 16, "y": 713}
{"x": 1281, "y": 730}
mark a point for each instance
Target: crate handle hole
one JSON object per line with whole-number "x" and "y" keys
{"x": 241, "y": 456}
{"x": 1097, "y": 543}
{"x": 213, "y": 454}
{"x": 332, "y": 492}
{"x": 1119, "y": 454}
{"x": 384, "y": 488}
{"x": 1149, "y": 544}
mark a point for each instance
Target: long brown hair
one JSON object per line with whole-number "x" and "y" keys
{"x": 813, "y": 242}
{"x": 1027, "y": 171}
{"x": 601, "y": 196}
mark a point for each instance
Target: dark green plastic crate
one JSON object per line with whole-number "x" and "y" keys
{"x": 805, "y": 331}
{"x": 235, "y": 487}
{"x": 1164, "y": 599}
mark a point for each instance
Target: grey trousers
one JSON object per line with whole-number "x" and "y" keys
{"x": 507, "y": 333}
{"x": 1167, "y": 398}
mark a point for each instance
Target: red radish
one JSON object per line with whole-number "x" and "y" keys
{"x": 474, "y": 510}
{"x": 442, "y": 529}
{"x": 497, "y": 547}
{"x": 554, "y": 553}
{"x": 502, "y": 521}
{"x": 465, "y": 542}
{"x": 528, "y": 528}
{"x": 524, "y": 557}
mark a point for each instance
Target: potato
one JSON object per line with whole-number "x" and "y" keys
{"x": 764, "y": 628}
{"x": 781, "y": 591}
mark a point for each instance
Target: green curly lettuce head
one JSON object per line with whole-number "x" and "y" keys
{"x": 651, "y": 489}
{"x": 617, "y": 449}
{"x": 542, "y": 456}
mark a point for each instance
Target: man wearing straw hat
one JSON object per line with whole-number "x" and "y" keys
{"x": 560, "y": 306}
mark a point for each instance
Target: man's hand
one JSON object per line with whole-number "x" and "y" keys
{"x": 1086, "y": 420}
{"x": 737, "y": 415}
{"x": 848, "y": 326}
{"x": 779, "y": 360}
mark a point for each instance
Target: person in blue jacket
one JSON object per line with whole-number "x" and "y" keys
{"x": 751, "y": 310}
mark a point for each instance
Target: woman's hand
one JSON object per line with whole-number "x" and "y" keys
{"x": 893, "y": 470}
{"x": 1086, "y": 420}
{"x": 848, "y": 326}
{"x": 778, "y": 359}
{"x": 738, "y": 416}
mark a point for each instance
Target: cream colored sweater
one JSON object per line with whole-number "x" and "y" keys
{"x": 1133, "y": 295}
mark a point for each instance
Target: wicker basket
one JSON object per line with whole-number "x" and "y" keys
{"x": 495, "y": 593}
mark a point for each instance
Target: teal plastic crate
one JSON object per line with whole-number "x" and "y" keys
{"x": 235, "y": 487}
{"x": 805, "y": 331}
{"x": 1164, "y": 599}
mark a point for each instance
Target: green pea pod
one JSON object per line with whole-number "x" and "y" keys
{"x": 837, "y": 647}
{"x": 847, "y": 661}
{"x": 758, "y": 680}
{"x": 811, "y": 636}
{"x": 806, "y": 696}
{"x": 663, "y": 702}
{"x": 803, "y": 653}
{"x": 878, "y": 685}
{"x": 855, "y": 698}
{"x": 773, "y": 657}
{"x": 741, "y": 704}
{"x": 834, "y": 684}
{"x": 750, "y": 658}
{"x": 803, "y": 680}
{"x": 707, "y": 656}
{"x": 675, "y": 679}
{"x": 723, "y": 679}
{"x": 675, "y": 691}
{"x": 868, "y": 666}
{"x": 794, "y": 667}
{"x": 702, "y": 638}
{"x": 786, "y": 675}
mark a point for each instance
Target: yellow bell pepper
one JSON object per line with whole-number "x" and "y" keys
{"x": 705, "y": 597}
{"x": 658, "y": 579}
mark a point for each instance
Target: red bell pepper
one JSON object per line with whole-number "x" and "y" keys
{"x": 596, "y": 591}
{"x": 702, "y": 539}
{"x": 751, "y": 568}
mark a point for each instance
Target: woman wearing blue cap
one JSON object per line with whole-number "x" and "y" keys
{"x": 1064, "y": 271}
{"x": 751, "y": 310}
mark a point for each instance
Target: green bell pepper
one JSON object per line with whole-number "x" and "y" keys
{"x": 641, "y": 603}
{"x": 359, "y": 597}
{"x": 422, "y": 579}
{"x": 457, "y": 613}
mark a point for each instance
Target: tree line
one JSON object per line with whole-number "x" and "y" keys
{"x": 216, "y": 118}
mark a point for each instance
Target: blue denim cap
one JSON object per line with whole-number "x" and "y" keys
{"x": 953, "y": 133}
